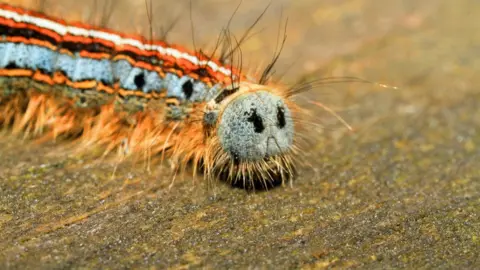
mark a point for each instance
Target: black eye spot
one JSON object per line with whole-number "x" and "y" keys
{"x": 187, "y": 88}
{"x": 281, "y": 117}
{"x": 139, "y": 80}
{"x": 256, "y": 120}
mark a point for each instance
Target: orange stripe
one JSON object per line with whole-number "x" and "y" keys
{"x": 124, "y": 92}
{"x": 16, "y": 72}
{"x": 138, "y": 93}
{"x": 65, "y": 51}
{"x": 77, "y": 39}
{"x": 139, "y": 64}
{"x": 43, "y": 43}
{"x": 124, "y": 57}
{"x": 32, "y": 41}
{"x": 39, "y": 76}
{"x": 14, "y": 24}
{"x": 172, "y": 101}
{"x": 144, "y": 65}
{"x": 52, "y": 34}
{"x": 132, "y": 49}
{"x": 103, "y": 88}
{"x": 194, "y": 76}
{"x": 59, "y": 78}
{"x": 11, "y": 23}
{"x": 161, "y": 94}
{"x": 105, "y": 43}
{"x": 83, "y": 84}
{"x": 95, "y": 55}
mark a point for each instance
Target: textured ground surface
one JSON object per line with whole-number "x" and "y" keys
{"x": 402, "y": 191}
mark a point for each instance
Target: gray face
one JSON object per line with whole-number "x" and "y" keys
{"x": 255, "y": 126}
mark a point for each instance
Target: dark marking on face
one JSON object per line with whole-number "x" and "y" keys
{"x": 256, "y": 126}
{"x": 256, "y": 120}
{"x": 281, "y": 117}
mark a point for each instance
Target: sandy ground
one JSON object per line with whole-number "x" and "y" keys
{"x": 401, "y": 191}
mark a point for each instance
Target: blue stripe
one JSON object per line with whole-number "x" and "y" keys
{"x": 78, "y": 69}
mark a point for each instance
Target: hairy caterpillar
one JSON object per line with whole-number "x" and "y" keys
{"x": 151, "y": 98}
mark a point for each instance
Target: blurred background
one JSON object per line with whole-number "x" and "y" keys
{"x": 317, "y": 30}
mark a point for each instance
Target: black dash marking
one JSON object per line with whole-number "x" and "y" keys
{"x": 105, "y": 82}
{"x": 281, "y": 117}
{"x": 187, "y": 88}
{"x": 256, "y": 120}
{"x": 139, "y": 80}
{"x": 44, "y": 71}
{"x": 12, "y": 65}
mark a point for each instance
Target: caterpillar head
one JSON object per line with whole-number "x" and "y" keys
{"x": 255, "y": 134}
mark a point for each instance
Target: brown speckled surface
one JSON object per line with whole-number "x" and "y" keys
{"x": 402, "y": 191}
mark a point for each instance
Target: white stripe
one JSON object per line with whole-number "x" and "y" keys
{"x": 115, "y": 39}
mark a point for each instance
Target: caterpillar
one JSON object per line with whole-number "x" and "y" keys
{"x": 146, "y": 98}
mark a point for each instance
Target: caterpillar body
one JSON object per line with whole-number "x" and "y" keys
{"x": 119, "y": 91}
